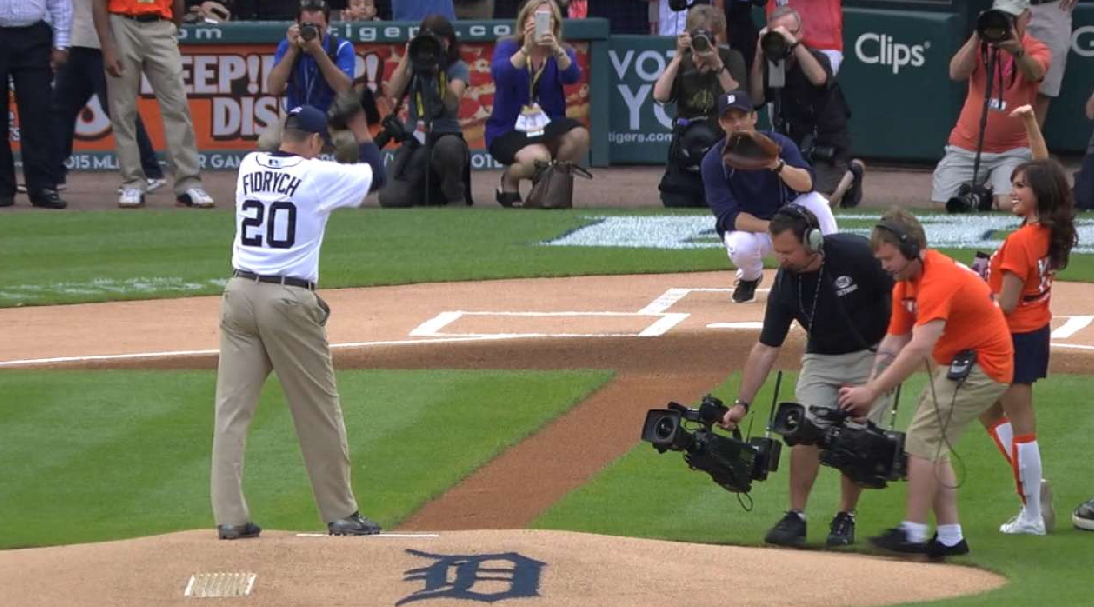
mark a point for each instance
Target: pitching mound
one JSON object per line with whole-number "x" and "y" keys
{"x": 457, "y": 568}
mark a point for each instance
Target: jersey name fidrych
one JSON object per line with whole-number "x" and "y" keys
{"x": 282, "y": 205}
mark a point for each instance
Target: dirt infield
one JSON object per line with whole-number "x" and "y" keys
{"x": 668, "y": 337}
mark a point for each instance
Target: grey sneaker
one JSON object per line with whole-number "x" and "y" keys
{"x": 354, "y": 524}
{"x": 238, "y": 532}
{"x": 1083, "y": 517}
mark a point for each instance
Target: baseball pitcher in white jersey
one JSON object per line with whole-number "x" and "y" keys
{"x": 271, "y": 318}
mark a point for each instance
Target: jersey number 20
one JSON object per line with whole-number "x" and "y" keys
{"x": 256, "y": 215}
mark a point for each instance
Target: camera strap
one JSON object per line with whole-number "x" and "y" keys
{"x": 442, "y": 85}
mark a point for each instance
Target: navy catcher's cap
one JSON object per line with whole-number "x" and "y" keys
{"x": 309, "y": 120}
{"x": 738, "y": 99}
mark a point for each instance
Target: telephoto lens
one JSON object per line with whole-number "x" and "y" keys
{"x": 993, "y": 26}
{"x": 774, "y": 46}
{"x": 700, "y": 41}
{"x": 308, "y": 31}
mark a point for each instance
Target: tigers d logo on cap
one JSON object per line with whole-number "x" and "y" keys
{"x": 738, "y": 99}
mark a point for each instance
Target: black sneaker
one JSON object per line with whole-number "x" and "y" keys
{"x": 354, "y": 524}
{"x": 842, "y": 531}
{"x": 47, "y": 199}
{"x": 746, "y": 290}
{"x": 238, "y": 532}
{"x": 937, "y": 550}
{"x": 1083, "y": 517}
{"x": 896, "y": 540}
{"x": 790, "y": 531}
{"x": 853, "y": 196}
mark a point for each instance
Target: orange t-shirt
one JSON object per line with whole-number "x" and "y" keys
{"x": 1025, "y": 254}
{"x": 140, "y": 7}
{"x": 823, "y": 21}
{"x": 1002, "y": 132}
{"x": 958, "y": 296}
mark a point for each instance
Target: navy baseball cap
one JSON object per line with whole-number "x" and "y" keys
{"x": 309, "y": 120}
{"x": 738, "y": 99}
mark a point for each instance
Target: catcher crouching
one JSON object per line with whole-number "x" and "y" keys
{"x": 747, "y": 177}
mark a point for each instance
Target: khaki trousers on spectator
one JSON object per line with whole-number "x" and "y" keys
{"x": 152, "y": 49}
{"x": 266, "y": 327}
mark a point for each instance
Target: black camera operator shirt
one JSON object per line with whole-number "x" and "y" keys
{"x": 852, "y": 308}
{"x": 696, "y": 93}
{"x": 806, "y": 106}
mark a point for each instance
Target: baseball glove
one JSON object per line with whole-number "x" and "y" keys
{"x": 344, "y": 107}
{"x": 750, "y": 151}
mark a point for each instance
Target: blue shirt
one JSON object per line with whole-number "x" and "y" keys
{"x": 758, "y": 193}
{"x": 513, "y": 88}
{"x": 307, "y": 86}
{"x": 416, "y": 10}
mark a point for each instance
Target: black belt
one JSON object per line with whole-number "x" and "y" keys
{"x": 291, "y": 281}
{"x": 145, "y": 18}
{"x": 1042, "y": 1}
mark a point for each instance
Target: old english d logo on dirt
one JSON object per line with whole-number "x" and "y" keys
{"x": 485, "y": 578}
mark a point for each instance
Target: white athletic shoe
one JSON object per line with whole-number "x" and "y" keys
{"x": 131, "y": 198}
{"x": 195, "y": 197}
{"x": 1047, "y": 511}
{"x": 153, "y": 185}
{"x": 1020, "y": 525}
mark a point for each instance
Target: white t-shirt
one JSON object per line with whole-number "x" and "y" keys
{"x": 670, "y": 22}
{"x": 282, "y": 205}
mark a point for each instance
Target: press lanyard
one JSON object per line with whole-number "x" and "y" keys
{"x": 533, "y": 80}
{"x": 442, "y": 83}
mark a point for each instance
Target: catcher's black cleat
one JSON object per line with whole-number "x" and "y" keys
{"x": 238, "y": 532}
{"x": 354, "y": 524}
{"x": 745, "y": 290}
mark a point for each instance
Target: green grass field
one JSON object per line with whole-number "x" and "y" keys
{"x": 650, "y": 495}
{"x": 100, "y": 455}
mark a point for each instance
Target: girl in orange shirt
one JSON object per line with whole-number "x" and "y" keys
{"x": 1020, "y": 277}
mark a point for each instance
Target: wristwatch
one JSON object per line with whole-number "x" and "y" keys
{"x": 779, "y": 169}
{"x": 741, "y": 403}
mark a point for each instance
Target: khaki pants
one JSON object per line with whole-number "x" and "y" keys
{"x": 151, "y": 48}
{"x": 823, "y": 375}
{"x": 266, "y": 327}
{"x": 944, "y": 412}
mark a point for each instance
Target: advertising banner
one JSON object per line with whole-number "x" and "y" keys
{"x": 641, "y": 128}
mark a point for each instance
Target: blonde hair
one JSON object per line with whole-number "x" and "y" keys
{"x": 703, "y": 16}
{"x": 530, "y": 7}
{"x": 901, "y": 219}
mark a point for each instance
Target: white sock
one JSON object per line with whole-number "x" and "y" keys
{"x": 950, "y": 535}
{"x": 1003, "y": 435}
{"x": 800, "y": 514}
{"x": 1029, "y": 473}
{"x": 916, "y": 532}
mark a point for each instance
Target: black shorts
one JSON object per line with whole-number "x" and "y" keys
{"x": 1031, "y": 355}
{"x": 504, "y": 149}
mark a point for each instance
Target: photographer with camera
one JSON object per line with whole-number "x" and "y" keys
{"x": 311, "y": 66}
{"x": 807, "y": 105}
{"x": 835, "y": 288}
{"x": 528, "y": 124}
{"x": 747, "y": 177}
{"x": 433, "y": 164}
{"x": 699, "y": 73}
{"x": 1004, "y": 66}
{"x": 944, "y": 311}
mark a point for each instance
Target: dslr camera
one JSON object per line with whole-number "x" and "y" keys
{"x": 866, "y": 454}
{"x": 308, "y": 31}
{"x": 701, "y": 40}
{"x": 393, "y": 130}
{"x": 425, "y": 52}
{"x": 774, "y": 46}
{"x": 816, "y": 153}
{"x": 970, "y": 197}
{"x": 994, "y": 26}
{"x": 730, "y": 461}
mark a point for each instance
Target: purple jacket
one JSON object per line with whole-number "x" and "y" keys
{"x": 512, "y": 88}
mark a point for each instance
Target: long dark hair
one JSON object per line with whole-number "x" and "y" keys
{"x": 443, "y": 29}
{"x": 1055, "y": 207}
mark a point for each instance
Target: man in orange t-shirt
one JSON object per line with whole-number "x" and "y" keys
{"x": 943, "y": 311}
{"x": 823, "y": 26}
{"x": 1019, "y": 65}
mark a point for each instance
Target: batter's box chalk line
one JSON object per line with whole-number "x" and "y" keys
{"x": 220, "y": 584}
{"x": 434, "y": 326}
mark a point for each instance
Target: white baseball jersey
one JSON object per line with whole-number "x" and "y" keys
{"x": 282, "y": 205}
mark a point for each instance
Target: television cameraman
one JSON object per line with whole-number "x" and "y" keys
{"x": 1019, "y": 62}
{"x": 944, "y": 311}
{"x": 807, "y": 105}
{"x": 837, "y": 291}
{"x": 311, "y": 66}
{"x": 744, "y": 200}
{"x": 698, "y": 74}
{"x": 431, "y": 78}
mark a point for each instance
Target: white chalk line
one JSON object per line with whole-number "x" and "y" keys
{"x": 1073, "y": 325}
{"x": 434, "y": 326}
{"x": 673, "y": 296}
{"x": 376, "y": 535}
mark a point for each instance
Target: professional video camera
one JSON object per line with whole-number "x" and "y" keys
{"x": 308, "y": 31}
{"x": 865, "y": 453}
{"x": 731, "y": 462}
{"x": 994, "y": 26}
{"x": 425, "y": 52}
{"x": 970, "y": 197}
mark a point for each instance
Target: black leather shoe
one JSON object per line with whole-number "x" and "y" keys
{"x": 354, "y": 524}
{"x": 938, "y": 551}
{"x": 896, "y": 540}
{"x": 47, "y": 199}
{"x": 842, "y": 531}
{"x": 7, "y": 201}
{"x": 789, "y": 531}
{"x": 238, "y": 532}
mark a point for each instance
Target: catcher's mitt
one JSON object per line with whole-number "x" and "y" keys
{"x": 344, "y": 107}
{"x": 750, "y": 151}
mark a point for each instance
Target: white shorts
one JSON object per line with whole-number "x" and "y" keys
{"x": 955, "y": 168}
{"x": 1053, "y": 27}
{"x": 747, "y": 249}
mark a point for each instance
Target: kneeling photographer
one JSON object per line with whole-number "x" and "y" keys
{"x": 943, "y": 311}
{"x": 432, "y": 166}
{"x": 1004, "y": 67}
{"x": 698, "y": 74}
{"x": 807, "y": 105}
{"x": 837, "y": 291}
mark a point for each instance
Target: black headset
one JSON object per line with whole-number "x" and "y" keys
{"x": 906, "y": 243}
{"x": 812, "y": 237}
